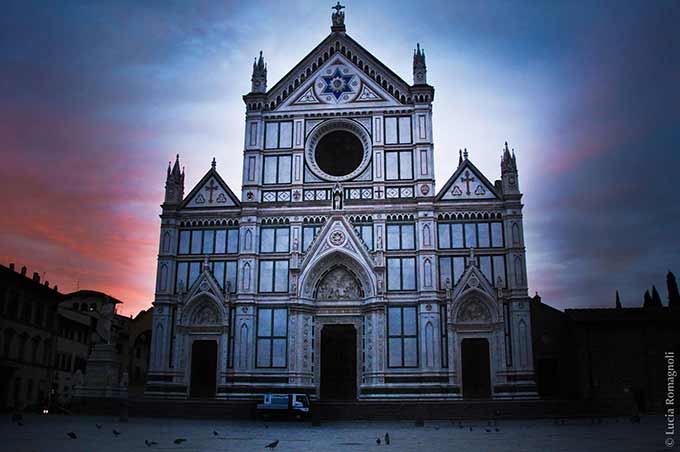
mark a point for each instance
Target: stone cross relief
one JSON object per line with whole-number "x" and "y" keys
{"x": 211, "y": 189}
{"x": 467, "y": 179}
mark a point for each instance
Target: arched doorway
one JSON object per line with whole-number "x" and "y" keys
{"x": 476, "y": 368}
{"x": 203, "y": 368}
{"x": 338, "y": 362}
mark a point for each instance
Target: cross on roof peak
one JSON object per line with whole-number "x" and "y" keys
{"x": 338, "y": 7}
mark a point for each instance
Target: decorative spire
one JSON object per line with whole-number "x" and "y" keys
{"x": 214, "y": 163}
{"x": 259, "y": 77}
{"x": 465, "y": 153}
{"x": 508, "y": 161}
{"x": 174, "y": 184}
{"x": 338, "y": 19}
{"x": 460, "y": 157}
{"x": 419, "y": 67}
{"x": 618, "y": 300}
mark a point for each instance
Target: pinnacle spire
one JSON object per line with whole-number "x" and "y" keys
{"x": 174, "y": 183}
{"x": 259, "y": 77}
{"x": 419, "y": 67}
{"x": 214, "y": 163}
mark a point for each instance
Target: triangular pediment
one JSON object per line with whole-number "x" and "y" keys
{"x": 304, "y": 87}
{"x": 204, "y": 284}
{"x": 466, "y": 184}
{"x": 211, "y": 192}
{"x": 473, "y": 279}
{"x": 337, "y": 84}
{"x": 337, "y": 243}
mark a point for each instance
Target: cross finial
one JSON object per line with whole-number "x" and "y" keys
{"x": 214, "y": 163}
{"x": 338, "y": 19}
{"x": 465, "y": 153}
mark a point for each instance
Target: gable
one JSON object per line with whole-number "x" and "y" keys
{"x": 301, "y": 77}
{"x": 466, "y": 184}
{"x": 210, "y": 192}
{"x": 336, "y": 84}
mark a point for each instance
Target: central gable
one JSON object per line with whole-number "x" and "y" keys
{"x": 337, "y": 84}
{"x": 375, "y": 82}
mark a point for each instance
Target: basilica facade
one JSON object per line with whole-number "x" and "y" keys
{"x": 341, "y": 271}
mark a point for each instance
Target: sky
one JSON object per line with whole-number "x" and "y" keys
{"x": 97, "y": 97}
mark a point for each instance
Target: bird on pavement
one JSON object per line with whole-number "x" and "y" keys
{"x": 272, "y": 445}
{"x": 20, "y": 424}
{"x": 115, "y": 432}
{"x": 387, "y": 439}
{"x": 72, "y": 435}
{"x": 149, "y": 443}
{"x": 215, "y": 432}
{"x": 377, "y": 441}
{"x": 179, "y": 440}
{"x": 99, "y": 427}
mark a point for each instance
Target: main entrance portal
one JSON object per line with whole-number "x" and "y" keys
{"x": 203, "y": 368}
{"x": 338, "y": 362}
{"x": 476, "y": 369}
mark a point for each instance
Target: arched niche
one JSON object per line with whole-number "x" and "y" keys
{"x": 475, "y": 306}
{"x": 337, "y": 260}
{"x": 203, "y": 310}
{"x": 338, "y": 283}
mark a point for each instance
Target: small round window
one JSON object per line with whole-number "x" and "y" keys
{"x": 339, "y": 153}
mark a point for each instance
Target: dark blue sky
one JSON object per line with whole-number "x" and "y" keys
{"x": 97, "y": 97}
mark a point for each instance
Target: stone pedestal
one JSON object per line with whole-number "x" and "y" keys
{"x": 102, "y": 379}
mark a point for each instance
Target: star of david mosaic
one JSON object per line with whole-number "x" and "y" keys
{"x": 337, "y": 84}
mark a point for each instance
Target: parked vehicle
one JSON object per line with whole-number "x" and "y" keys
{"x": 284, "y": 404}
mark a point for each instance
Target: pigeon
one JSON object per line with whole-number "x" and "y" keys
{"x": 377, "y": 441}
{"x": 99, "y": 427}
{"x": 72, "y": 435}
{"x": 115, "y": 432}
{"x": 149, "y": 443}
{"x": 497, "y": 429}
{"x": 272, "y": 445}
{"x": 487, "y": 430}
{"x": 20, "y": 424}
{"x": 215, "y": 432}
{"x": 387, "y": 439}
{"x": 179, "y": 440}
{"x": 470, "y": 428}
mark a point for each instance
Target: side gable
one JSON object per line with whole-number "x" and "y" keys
{"x": 211, "y": 192}
{"x": 467, "y": 183}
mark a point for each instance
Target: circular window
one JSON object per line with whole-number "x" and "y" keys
{"x": 339, "y": 153}
{"x": 338, "y": 150}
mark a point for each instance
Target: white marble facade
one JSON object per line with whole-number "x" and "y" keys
{"x": 339, "y": 223}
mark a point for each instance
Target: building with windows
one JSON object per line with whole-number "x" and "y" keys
{"x": 341, "y": 272}
{"x": 46, "y": 340}
{"x": 28, "y": 338}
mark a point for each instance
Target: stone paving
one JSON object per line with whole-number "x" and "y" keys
{"x": 49, "y": 434}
